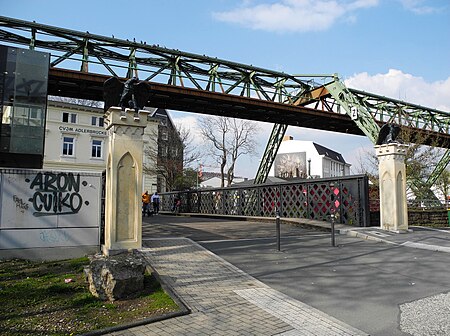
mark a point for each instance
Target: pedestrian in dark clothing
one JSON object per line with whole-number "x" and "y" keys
{"x": 155, "y": 201}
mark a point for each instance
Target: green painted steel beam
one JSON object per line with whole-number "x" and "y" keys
{"x": 440, "y": 167}
{"x": 125, "y": 58}
{"x": 355, "y": 108}
{"x": 366, "y": 109}
{"x": 275, "y": 139}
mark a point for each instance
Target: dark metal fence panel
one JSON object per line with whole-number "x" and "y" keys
{"x": 312, "y": 199}
{"x": 250, "y": 202}
{"x": 294, "y": 203}
{"x": 166, "y": 201}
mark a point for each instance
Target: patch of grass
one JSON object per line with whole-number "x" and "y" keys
{"x": 37, "y": 300}
{"x": 161, "y": 299}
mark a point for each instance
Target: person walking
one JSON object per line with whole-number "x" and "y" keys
{"x": 176, "y": 204}
{"x": 155, "y": 201}
{"x": 145, "y": 204}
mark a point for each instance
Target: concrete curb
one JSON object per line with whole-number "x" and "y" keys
{"x": 422, "y": 246}
{"x": 352, "y": 233}
{"x": 436, "y": 248}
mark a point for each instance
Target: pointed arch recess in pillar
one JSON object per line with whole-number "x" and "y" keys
{"x": 126, "y": 197}
{"x": 387, "y": 198}
{"x": 400, "y": 186}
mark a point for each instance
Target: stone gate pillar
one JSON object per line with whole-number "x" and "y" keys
{"x": 392, "y": 172}
{"x": 123, "y": 204}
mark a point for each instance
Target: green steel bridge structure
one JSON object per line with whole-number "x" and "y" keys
{"x": 81, "y": 61}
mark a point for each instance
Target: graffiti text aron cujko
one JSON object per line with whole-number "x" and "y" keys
{"x": 56, "y": 194}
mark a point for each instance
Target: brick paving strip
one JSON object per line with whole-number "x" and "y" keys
{"x": 224, "y": 300}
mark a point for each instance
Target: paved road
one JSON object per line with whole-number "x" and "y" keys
{"x": 369, "y": 285}
{"x": 226, "y": 301}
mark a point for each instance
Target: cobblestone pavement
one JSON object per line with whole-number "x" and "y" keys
{"x": 226, "y": 301}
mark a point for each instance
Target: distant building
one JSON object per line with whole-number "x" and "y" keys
{"x": 169, "y": 151}
{"x": 307, "y": 159}
{"x": 76, "y": 139}
{"x": 215, "y": 181}
{"x": 269, "y": 180}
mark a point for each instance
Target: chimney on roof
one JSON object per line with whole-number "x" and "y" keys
{"x": 288, "y": 137}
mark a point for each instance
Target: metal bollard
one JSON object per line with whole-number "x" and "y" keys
{"x": 278, "y": 229}
{"x": 333, "y": 239}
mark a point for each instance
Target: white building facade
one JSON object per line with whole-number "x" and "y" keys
{"x": 215, "y": 182}
{"x": 76, "y": 140}
{"x": 307, "y": 159}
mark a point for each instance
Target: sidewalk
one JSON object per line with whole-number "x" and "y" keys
{"x": 226, "y": 301}
{"x": 398, "y": 287}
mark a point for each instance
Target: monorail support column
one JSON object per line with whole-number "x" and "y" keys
{"x": 123, "y": 214}
{"x": 392, "y": 172}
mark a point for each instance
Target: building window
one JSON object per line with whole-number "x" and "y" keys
{"x": 96, "y": 149}
{"x": 163, "y": 150}
{"x": 175, "y": 152}
{"x": 163, "y": 121}
{"x": 95, "y": 123}
{"x": 164, "y": 135}
{"x": 68, "y": 144}
{"x": 69, "y": 117}
{"x": 36, "y": 117}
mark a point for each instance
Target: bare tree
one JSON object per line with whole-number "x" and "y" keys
{"x": 168, "y": 158}
{"x": 190, "y": 152}
{"x": 227, "y": 139}
{"x": 214, "y": 130}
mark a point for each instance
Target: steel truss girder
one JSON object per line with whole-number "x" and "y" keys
{"x": 368, "y": 111}
{"x": 153, "y": 62}
{"x": 128, "y": 58}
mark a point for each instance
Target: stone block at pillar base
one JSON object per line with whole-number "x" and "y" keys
{"x": 116, "y": 251}
{"x": 116, "y": 277}
{"x": 396, "y": 231}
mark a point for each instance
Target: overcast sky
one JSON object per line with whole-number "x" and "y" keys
{"x": 395, "y": 48}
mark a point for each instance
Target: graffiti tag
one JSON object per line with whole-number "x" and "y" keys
{"x": 56, "y": 194}
{"x": 20, "y": 203}
{"x": 53, "y": 236}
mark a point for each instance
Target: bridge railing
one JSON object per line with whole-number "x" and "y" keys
{"x": 316, "y": 199}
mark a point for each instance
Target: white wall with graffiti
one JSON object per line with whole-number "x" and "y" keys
{"x": 49, "y": 214}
